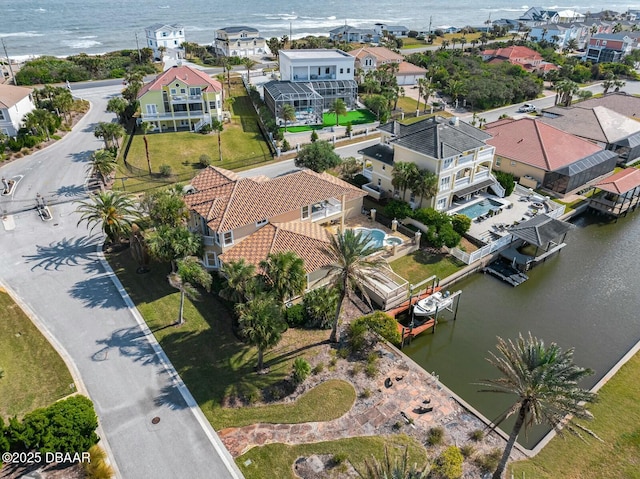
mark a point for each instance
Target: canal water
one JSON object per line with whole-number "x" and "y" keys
{"x": 586, "y": 297}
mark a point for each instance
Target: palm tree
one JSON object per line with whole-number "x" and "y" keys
{"x": 171, "y": 243}
{"x": 339, "y": 108}
{"x": 284, "y": 274}
{"x": 103, "y": 162}
{"x": 261, "y": 323}
{"x": 110, "y": 133}
{"x": 249, "y": 64}
{"x": 62, "y": 102}
{"x": 146, "y": 128}
{"x": 118, "y": 105}
{"x": 287, "y": 113}
{"x": 218, "y": 127}
{"x": 352, "y": 267}
{"x": 40, "y": 122}
{"x": 165, "y": 207}
{"x": 402, "y": 174}
{"x": 425, "y": 184}
{"x": 189, "y": 271}
{"x": 566, "y": 89}
{"x": 114, "y": 211}
{"x": 238, "y": 275}
{"x": 545, "y": 381}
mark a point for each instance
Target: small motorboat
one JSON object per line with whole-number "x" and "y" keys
{"x": 435, "y": 302}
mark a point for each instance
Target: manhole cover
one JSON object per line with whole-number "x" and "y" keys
{"x": 155, "y": 420}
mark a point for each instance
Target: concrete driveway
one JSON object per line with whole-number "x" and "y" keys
{"x": 57, "y": 275}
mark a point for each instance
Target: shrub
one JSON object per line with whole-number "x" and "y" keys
{"x": 295, "y": 315}
{"x": 301, "y": 370}
{"x": 318, "y": 368}
{"x": 371, "y": 370}
{"x": 397, "y": 209}
{"x": 314, "y": 136}
{"x": 343, "y": 353}
{"x": 449, "y": 464}
{"x": 204, "y": 161}
{"x": 97, "y": 466}
{"x": 489, "y": 462}
{"x": 318, "y": 156}
{"x": 381, "y": 323}
{"x": 476, "y": 435}
{"x": 435, "y": 436}
{"x": 460, "y": 223}
{"x": 320, "y": 307}
{"x": 467, "y": 450}
{"x": 356, "y": 334}
{"x": 355, "y": 369}
{"x": 349, "y": 128}
{"x": 506, "y": 180}
{"x": 366, "y": 393}
{"x": 254, "y": 397}
{"x": 165, "y": 171}
{"x": 285, "y": 145}
{"x": 206, "y": 129}
{"x": 339, "y": 458}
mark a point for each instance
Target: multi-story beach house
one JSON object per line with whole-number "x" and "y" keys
{"x": 347, "y": 33}
{"x": 398, "y": 31}
{"x": 240, "y": 41}
{"x": 180, "y": 98}
{"x": 537, "y": 16}
{"x": 610, "y": 48}
{"x": 456, "y": 152}
{"x": 169, "y": 37}
{"x": 249, "y": 218}
{"x": 516, "y": 55}
{"x": 15, "y": 103}
{"x": 311, "y": 81}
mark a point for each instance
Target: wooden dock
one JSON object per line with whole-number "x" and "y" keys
{"x": 408, "y": 332}
{"x": 506, "y": 273}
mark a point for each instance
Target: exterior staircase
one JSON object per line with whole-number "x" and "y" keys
{"x": 198, "y": 126}
{"x": 497, "y": 187}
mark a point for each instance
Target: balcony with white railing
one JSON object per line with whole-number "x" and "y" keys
{"x": 464, "y": 181}
{"x": 177, "y": 114}
{"x": 326, "y": 209}
{"x": 373, "y": 190}
{"x": 185, "y": 98}
{"x": 465, "y": 160}
{"x": 481, "y": 174}
{"x": 367, "y": 172}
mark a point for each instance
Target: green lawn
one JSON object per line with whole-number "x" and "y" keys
{"x": 420, "y": 265}
{"x": 617, "y": 423}
{"x": 34, "y": 374}
{"x": 217, "y": 367}
{"x": 310, "y": 407}
{"x": 355, "y": 117}
{"x": 242, "y": 146}
{"x": 276, "y": 460}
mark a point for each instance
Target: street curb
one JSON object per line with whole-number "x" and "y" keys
{"x": 211, "y": 434}
{"x": 71, "y": 366}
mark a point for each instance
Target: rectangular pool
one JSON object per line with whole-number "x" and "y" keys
{"x": 479, "y": 208}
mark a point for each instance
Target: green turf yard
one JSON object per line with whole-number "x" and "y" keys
{"x": 420, "y": 265}
{"x": 276, "y": 460}
{"x": 214, "y": 364}
{"x": 356, "y": 117}
{"x": 34, "y": 374}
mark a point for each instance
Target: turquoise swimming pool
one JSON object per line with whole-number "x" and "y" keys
{"x": 479, "y": 208}
{"x": 378, "y": 238}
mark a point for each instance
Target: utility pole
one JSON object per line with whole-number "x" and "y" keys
{"x": 430, "y": 18}
{"x": 138, "y": 46}
{"x": 13, "y": 77}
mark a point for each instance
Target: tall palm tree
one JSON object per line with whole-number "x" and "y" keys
{"x": 113, "y": 211}
{"x": 189, "y": 271}
{"x": 103, "y": 162}
{"x": 249, "y": 64}
{"x": 284, "y": 274}
{"x": 566, "y": 89}
{"x": 545, "y": 381}
{"x": 171, "y": 243}
{"x": 238, "y": 275}
{"x": 352, "y": 266}
{"x": 40, "y": 122}
{"x": 118, "y": 105}
{"x": 218, "y": 127}
{"x": 287, "y": 113}
{"x": 425, "y": 184}
{"x": 402, "y": 175}
{"x": 146, "y": 127}
{"x": 261, "y": 324}
{"x": 338, "y": 107}
{"x": 110, "y": 133}
{"x": 63, "y": 102}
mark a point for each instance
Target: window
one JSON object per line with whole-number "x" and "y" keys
{"x": 216, "y": 237}
{"x": 174, "y": 91}
{"x": 327, "y": 71}
{"x": 152, "y": 109}
{"x": 305, "y": 212}
{"x": 1, "y": 115}
{"x": 180, "y": 32}
{"x": 368, "y": 62}
{"x": 498, "y": 160}
{"x": 164, "y": 34}
{"x": 513, "y": 163}
{"x": 348, "y": 70}
{"x": 261, "y": 222}
{"x": 442, "y": 204}
{"x": 183, "y": 90}
{"x": 342, "y": 70}
{"x": 384, "y": 167}
{"x": 212, "y": 105}
{"x": 227, "y": 238}
{"x": 211, "y": 259}
{"x": 150, "y": 43}
{"x": 447, "y": 163}
{"x": 444, "y": 183}
{"x": 194, "y": 91}
{"x": 255, "y": 43}
{"x": 175, "y": 42}
{"x": 379, "y": 182}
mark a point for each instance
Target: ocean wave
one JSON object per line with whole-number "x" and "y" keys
{"x": 22, "y": 34}
{"x": 40, "y": 10}
{"x": 87, "y": 37}
{"x": 332, "y": 17}
{"x": 164, "y": 6}
{"x": 78, "y": 44}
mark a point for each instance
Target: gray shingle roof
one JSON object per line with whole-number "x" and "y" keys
{"x": 437, "y": 137}
{"x": 380, "y": 152}
{"x": 238, "y": 29}
{"x": 540, "y": 229}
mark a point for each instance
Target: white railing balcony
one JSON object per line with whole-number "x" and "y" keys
{"x": 185, "y": 98}
{"x": 462, "y": 182}
{"x": 372, "y": 190}
{"x": 486, "y": 155}
{"x": 465, "y": 160}
{"x": 325, "y": 211}
{"x": 481, "y": 175}
{"x": 367, "y": 173}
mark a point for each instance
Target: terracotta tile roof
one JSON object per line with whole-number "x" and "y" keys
{"x": 513, "y": 53}
{"x": 537, "y": 144}
{"x": 621, "y": 182}
{"x": 407, "y": 68}
{"x": 10, "y": 95}
{"x": 306, "y": 239}
{"x": 381, "y": 54}
{"x": 188, "y": 75}
{"x": 228, "y": 202}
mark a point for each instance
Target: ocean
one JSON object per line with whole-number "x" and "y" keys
{"x": 67, "y": 27}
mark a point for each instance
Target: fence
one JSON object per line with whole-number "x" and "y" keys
{"x": 263, "y": 130}
{"x": 474, "y": 256}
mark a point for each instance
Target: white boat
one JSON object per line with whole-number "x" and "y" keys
{"x": 435, "y": 302}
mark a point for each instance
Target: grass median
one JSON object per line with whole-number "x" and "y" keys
{"x": 34, "y": 375}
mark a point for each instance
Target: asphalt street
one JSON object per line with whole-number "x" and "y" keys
{"x": 55, "y": 270}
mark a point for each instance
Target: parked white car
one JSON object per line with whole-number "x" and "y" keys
{"x": 527, "y": 108}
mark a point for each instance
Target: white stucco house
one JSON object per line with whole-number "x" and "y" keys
{"x": 171, "y": 37}
{"x": 15, "y": 103}
{"x": 241, "y": 41}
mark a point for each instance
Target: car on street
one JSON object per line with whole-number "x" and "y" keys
{"x": 527, "y": 108}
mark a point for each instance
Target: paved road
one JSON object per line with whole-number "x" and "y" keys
{"x": 54, "y": 269}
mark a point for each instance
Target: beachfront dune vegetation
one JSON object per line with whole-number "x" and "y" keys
{"x": 84, "y": 67}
